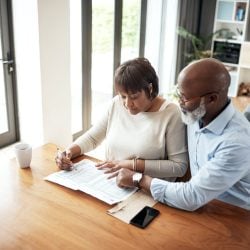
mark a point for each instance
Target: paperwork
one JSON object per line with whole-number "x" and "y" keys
{"x": 87, "y": 178}
{"x": 128, "y": 208}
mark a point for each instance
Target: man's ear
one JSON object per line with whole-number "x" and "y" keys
{"x": 213, "y": 97}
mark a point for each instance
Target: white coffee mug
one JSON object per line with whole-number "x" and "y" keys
{"x": 23, "y": 152}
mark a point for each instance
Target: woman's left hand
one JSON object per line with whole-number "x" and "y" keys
{"x": 114, "y": 166}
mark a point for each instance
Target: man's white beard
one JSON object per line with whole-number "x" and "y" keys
{"x": 191, "y": 117}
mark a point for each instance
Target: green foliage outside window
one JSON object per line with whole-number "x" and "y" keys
{"x": 103, "y": 18}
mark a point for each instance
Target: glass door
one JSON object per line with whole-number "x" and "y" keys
{"x": 8, "y": 121}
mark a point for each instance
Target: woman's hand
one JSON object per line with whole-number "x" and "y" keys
{"x": 63, "y": 160}
{"x": 114, "y": 166}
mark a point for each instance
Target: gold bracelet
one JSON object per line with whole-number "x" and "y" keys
{"x": 133, "y": 165}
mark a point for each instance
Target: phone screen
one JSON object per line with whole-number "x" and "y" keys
{"x": 144, "y": 217}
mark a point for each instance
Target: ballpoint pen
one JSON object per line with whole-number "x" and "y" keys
{"x": 59, "y": 152}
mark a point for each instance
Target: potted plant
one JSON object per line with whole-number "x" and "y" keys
{"x": 201, "y": 45}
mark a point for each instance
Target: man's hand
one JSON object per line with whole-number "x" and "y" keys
{"x": 125, "y": 178}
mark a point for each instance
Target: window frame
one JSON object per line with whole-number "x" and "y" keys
{"x": 13, "y": 134}
{"x": 87, "y": 52}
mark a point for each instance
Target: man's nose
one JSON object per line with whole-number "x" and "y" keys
{"x": 180, "y": 100}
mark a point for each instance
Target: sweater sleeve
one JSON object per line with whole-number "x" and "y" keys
{"x": 96, "y": 134}
{"x": 176, "y": 162}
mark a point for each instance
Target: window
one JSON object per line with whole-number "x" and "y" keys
{"x": 114, "y": 31}
{"x": 102, "y": 55}
{"x": 130, "y": 29}
{"x": 76, "y": 65}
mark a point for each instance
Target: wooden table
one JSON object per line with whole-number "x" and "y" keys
{"x": 36, "y": 214}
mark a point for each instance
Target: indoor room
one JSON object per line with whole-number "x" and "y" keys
{"x": 66, "y": 105}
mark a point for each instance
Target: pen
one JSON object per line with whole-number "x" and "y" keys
{"x": 59, "y": 152}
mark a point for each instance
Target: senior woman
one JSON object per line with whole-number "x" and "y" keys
{"x": 143, "y": 131}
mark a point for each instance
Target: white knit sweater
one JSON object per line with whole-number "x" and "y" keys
{"x": 158, "y": 137}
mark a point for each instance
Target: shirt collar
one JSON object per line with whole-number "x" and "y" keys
{"x": 219, "y": 123}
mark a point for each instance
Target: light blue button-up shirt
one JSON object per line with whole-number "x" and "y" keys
{"x": 220, "y": 165}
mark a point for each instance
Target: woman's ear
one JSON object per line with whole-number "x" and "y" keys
{"x": 150, "y": 87}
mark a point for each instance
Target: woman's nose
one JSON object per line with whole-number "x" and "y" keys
{"x": 128, "y": 103}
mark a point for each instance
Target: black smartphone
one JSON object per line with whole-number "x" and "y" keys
{"x": 144, "y": 217}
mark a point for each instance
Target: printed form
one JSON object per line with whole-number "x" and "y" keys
{"x": 87, "y": 178}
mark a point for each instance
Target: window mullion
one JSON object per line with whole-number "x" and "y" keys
{"x": 143, "y": 27}
{"x": 86, "y": 65}
{"x": 117, "y": 34}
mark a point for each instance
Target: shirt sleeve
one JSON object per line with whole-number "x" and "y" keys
{"x": 229, "y": 165}
{"x": 176, "y": 162}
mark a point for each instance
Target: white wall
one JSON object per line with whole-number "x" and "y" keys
{"x": 42, "y": 28}
{"x": 54, "y": 32}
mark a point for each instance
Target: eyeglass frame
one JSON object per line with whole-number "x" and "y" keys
{"x": 180, "y": 96}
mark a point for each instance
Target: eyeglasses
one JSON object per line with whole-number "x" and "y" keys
{"x": 183, "y": 99}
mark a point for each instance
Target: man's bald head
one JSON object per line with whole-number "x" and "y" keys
{"x": 203, "y": 87}
{"x": 205, "y": 75}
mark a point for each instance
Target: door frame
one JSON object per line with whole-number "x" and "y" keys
{"x": 6, "y": 22}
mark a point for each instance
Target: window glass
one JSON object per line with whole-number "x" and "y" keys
{"x": 3, "y": 111}
{"x": 130, "y": 29}
{"x": 102, "y": 55}
{"x": 76, "y": 65}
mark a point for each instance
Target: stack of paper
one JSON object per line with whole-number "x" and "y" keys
{"x": 87, "y": 178}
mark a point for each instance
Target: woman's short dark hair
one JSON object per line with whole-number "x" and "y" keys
{"x": 137, "y": 75}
